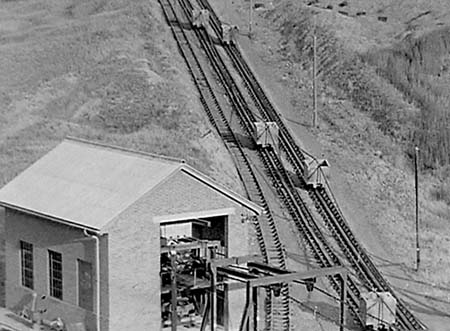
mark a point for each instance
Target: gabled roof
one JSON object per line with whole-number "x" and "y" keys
{"x": 87, "y": 184}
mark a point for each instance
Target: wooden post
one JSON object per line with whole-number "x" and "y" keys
{"x": 243, "y": 326}
{"x": 343, "y": 300}
{"x": 315, "y": 79}
{"x": 226, "y": 312}
{"x": 255, "y": 308}
{"x": 250, "y": 19}
{"x": 250, "y": 307}
{"x": 213, "y": 299}
{"x": 205, "y": 316}
{"x": 416, "y": 164}
{"x": 173, "y": 256}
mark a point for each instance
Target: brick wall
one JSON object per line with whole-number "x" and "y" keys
{"x": 2, "y": 258}
{"x": 68, "y": 241}
{"x": 135, "y": 245}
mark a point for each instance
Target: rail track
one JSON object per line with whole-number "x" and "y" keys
{"x": 273, "y": 165}
{"x": 327, "y": 207}
{"x": 277, "y": 315}
{"x": 276, "y": 309}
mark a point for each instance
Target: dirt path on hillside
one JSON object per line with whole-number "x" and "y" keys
{"x": 356, "y": 173}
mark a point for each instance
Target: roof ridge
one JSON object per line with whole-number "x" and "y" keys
{"x": 124, "y": 149}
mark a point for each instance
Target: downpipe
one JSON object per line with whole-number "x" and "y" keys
{"x": 97, "y": 274}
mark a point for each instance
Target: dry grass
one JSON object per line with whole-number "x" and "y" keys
{"x": 362, "y": 113}
{"x": 405, "y": 41}
{"x": 419, "y": 69}
{"x": 105, "y": 70}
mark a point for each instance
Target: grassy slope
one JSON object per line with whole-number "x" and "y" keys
{"x": 105, "y": 70}
{"x": 388, "y": 182}
{"x": 407, "y": 42}
{"x": 364, "y": 129}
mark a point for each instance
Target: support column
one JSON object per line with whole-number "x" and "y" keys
{"x": 226, "y": 312}
{"x": 213, "y": 298}
{"x": 250, "y": 307}
{"x": 246, "y": 315}
{"x": 173, "y": 281}
{"x": 255, "y": 308}
{"x": 205, "y": 316}
{"x": 343, "y": 300}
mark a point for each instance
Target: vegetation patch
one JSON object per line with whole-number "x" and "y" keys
{"x": 102, "y": 70}
{"x": 420, "y": 69}
{"x": 441, "y": 192}
{"x": 346, "y": 71}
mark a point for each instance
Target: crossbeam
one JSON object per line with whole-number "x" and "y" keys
{"x": 191, "y": 245}
{"x": 244, "y": 276}
{"x": 235, "y": 260}
{"x": 266, "y": 268}
{"x": 286, "y": 278}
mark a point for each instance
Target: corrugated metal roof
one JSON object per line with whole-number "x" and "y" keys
{"x": 85, "y": 184}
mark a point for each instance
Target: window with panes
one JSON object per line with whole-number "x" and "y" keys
{"x": 26, "y": 264}
{"x": 55, "y": 273}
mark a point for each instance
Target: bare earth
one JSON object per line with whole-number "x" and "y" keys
{"x": 105, "y": 70}
{"x": 370, "y": 174}
{"x": 109, "y": 70}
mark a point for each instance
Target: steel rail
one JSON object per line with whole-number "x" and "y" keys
{"x": 328, "y": 208}
{"x": 277, "y": 309}
{"x": 265, "y": 228}
{"x": 247, "y": 119}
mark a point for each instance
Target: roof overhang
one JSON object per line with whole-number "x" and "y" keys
{"x": 193, "y": 215}
{"x": 49, "y": 217}
{"x": 221, "y": 189}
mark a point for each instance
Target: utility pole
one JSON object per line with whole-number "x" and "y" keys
{"x": 250, "y": 19}
{"x": 314, "y": 75}
{"x": 416, "y": 166}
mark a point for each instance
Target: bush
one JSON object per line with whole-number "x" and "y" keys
{"x": 441, "y": 192}
{"x": 415, "y": 68}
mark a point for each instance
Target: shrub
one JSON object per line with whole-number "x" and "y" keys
{"x": 414, "y": 67}
{"x": 441, "y": 192}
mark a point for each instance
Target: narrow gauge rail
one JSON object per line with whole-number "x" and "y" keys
{"x": 288, "y": 194}
{"x": 277, "y": 308}
{"x": 328, "y": 208}
{"x": 267, "y": 235}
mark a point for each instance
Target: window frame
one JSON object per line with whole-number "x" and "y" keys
{"x": 55, "y": 268}
{"x": 92, "y": 298}
{"x": 26, "y": 264}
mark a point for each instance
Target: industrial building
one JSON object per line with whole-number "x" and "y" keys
{"x": 95, "y": 236}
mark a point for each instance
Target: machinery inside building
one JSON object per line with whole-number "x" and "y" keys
{"x": 186, "y": 248}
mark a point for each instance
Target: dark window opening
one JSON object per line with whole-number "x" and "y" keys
{"x": 85, "y": 285}
{"x": 56, "y": 278}
{"x": 26, "y": 264}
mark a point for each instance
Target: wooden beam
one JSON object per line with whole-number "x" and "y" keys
{"x": 235, "y": 260}
{"x": 191, "y": 245}
{"x": 267, "y": 268}
{"x": 285, "y": 278}
{"x": 236, "y": 274}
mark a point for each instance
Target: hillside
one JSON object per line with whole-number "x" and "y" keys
{"x": 368, "y": 124}
{"x": 105, "y": 70}
{"x": 109, "y": 70}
